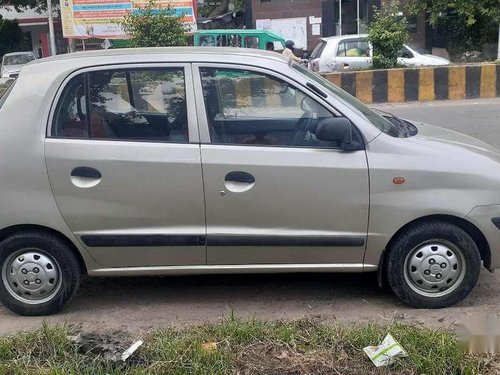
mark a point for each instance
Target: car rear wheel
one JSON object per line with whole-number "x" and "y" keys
{"x": 433, "y": 265}
{"x": 39, "y": 273}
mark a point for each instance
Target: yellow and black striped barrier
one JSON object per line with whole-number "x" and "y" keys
{"x": 421, "y": 84}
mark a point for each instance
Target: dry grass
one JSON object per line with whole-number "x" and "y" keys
{"x": 240, "y": 347}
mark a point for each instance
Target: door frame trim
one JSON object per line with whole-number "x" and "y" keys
{"x": 232, "y": 269}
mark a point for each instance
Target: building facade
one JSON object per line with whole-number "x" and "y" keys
{"x": 35, "y": 25}
{"x": 306, "y": 21}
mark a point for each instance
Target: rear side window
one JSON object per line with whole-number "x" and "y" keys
{"x": 127, "y": 104}
{"x": 354, "y": 48}
{"x": 5, "y": 94}
{"x": 318, "y": 50}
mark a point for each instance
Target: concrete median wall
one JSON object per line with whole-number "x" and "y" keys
{"x": 421, "y": 84}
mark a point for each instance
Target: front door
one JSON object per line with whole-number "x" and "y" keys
{"x": 274, "y": 193}
{"x": 123, "y": 159}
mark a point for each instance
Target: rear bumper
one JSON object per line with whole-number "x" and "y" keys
{"x": 486, "y": 218}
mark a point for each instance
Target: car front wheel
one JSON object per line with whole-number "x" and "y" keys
{"x": 40, "y": 274}
{"x": 433, "y": 265}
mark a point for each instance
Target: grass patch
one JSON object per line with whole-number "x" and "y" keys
{"x": 243, "y": 347}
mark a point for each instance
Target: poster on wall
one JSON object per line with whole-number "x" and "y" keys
{"x": 290, "y": 28}
{"x": 101, "y": 19}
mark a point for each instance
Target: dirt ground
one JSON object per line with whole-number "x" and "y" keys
{"x": 136, "y": 304}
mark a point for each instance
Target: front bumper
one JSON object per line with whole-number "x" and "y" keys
{"x": 483, "y": 218}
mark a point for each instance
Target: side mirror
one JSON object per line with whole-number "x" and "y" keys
{"x": 336, "y": 129}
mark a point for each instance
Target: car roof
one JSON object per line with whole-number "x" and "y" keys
{"x": 342, "y": 37}
{"x": 19, "y": 53}
{"x": 100, "y": 56}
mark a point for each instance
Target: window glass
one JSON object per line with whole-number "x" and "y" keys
{"x": 207, "y": 41}
{"x": 70, "y": 119}
{"x": 5, "y": 94}
{"x": 362, "y": 110}
{"x": 278, "y": 46}
{"x": 252, "y": 42}
{"x": 318, "y": 50}
{"x": 146, "y": 104}
{"x": 405, "y": 53}
{"x": 354, "y": 48}
{"x": 229, "y": 40}
{"x": 250, "y": 108}
{"x": 142, "y": 104}
{"x": 19, "y": 59}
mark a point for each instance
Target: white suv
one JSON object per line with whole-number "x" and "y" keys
{"x": 350, "y": 52}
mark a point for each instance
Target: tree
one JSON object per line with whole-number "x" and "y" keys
{"x": 20, "y": 5}
{"x": 154, "y": 27}
{"x": 12, "y": 37}
{"x": 479, "y": 20}
{"x": 472, "y": 10}
{"x": 387, "y": 34}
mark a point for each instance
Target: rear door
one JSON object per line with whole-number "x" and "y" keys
{"x": 353, "y": 54}
{"x": 123, "y": 159}
{"x": 274, "y": 193}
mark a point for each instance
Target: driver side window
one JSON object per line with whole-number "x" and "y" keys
{"x": 251, "y": 108}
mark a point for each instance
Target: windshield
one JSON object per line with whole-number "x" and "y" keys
{"x": 362, "y": 110}
{"x": 5, "y": 91}
{"x": 18, "y": 59}
{"x": 318, "y": 50}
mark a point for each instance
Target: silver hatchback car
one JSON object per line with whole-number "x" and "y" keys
{"x": 355, "y": 52}
{"x": 194, "y": 161}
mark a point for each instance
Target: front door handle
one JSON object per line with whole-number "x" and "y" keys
{"x": 86, "y": 172}
{"x": 241, "y": 177}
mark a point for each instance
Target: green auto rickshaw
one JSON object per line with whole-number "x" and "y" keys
{"x": 246, "y": 38}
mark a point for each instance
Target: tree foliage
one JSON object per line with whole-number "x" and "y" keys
{"x": 387, "y": 34}
{"x": 155, "y": 27}
{"x": 472, "y": 10}
{"x": 12, "y": 38}
{"x": 20, "y": 5}
{"x": 469, "y": 23}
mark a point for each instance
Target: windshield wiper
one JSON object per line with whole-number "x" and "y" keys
{"x": 406, "y": 128}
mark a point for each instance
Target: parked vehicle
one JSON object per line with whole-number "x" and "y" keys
{"x": 350, "y": 52}
{"x": 246, "y": 38}
{"x": 222, "y": 160}
{"x": 12, "y": 63}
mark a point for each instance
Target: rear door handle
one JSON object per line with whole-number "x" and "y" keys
{"x": 241, "y": 177}
{"x": 86, "y": 172}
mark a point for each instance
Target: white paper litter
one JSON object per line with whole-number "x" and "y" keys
{"x": 127, "y": 353}
{"x": 386, "y": 352}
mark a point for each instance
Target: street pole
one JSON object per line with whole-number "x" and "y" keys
{"x": 340, "y": 17}
{"x": 498, "y": 50}
{"x": 52, "y": 37}
{"x": 357, "y": 10}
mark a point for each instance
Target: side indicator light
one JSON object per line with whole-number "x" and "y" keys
{"x": 398, "y": 180}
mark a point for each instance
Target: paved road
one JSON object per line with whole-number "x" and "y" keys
{"x": 137, "y": 304}
{"x": 479, "y": 118}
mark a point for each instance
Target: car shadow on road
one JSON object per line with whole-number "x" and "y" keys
{"x": 212, "y": 289}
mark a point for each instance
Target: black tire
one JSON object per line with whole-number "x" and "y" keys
{"x": 406, "y": 247}
{"x": 66, "y": 263}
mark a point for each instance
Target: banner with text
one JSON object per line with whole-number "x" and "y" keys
{"x": 101, "y": 19}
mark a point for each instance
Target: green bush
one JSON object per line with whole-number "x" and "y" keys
{"x": 155, "y": 27}
{"x": 387, "y": 33}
